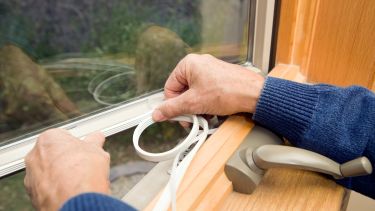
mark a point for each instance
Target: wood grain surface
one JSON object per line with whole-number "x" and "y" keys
{"x": 332, "y": 41}
{"x": 288, "y": 189}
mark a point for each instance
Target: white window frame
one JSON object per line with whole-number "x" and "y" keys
{"x": 126, "y": 115}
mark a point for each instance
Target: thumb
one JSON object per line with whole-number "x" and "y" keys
{"x": 96, "y": 138}
{"x": 174, "y": 107}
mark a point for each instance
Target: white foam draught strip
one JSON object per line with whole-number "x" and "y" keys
{"x": 195, "y": 136}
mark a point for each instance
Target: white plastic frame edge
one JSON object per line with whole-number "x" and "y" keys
{"x": 129, "y": 115}
{"x": 109, "y": 122}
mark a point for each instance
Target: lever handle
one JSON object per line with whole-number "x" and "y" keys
{"x": 269, "y": 156}
{"x": 357, "y": 167}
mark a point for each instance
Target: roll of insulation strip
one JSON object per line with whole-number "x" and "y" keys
{"x": 196, "y": 136}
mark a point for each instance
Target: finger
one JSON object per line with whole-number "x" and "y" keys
{"x": 177, "y": 82}
{"x": 27, "y": 179}
{"x": 96, "y": 138}
{"x": 27, "y": 185}
{"x": 26, "y": 182}
{"x": 174, "y": 107}
{"x": 185, "y": 124}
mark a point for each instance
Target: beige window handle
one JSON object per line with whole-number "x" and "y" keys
{"x": 262, "y": 150}
{"x": 269, "y": 156}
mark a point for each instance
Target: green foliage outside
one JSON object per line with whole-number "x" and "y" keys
{"x": 104, "y": 29}
{"x": 96, "y": 28}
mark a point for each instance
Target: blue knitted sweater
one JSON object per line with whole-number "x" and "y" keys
{"x": 336, "y": 122}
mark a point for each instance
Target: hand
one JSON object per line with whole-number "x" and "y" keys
{"x": 202, "y": 84}
{"x": 61, "y": 166}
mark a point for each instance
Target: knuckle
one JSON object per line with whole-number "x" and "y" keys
{"x": 208, "y": 56}
{"x": 191, "y": 56}
{"x": 107, "y": 156}
{"x": 48, "y": 134}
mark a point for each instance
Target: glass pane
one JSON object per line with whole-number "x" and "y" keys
{"x": 127, "y": 168}
{"x": 63, "y": 59}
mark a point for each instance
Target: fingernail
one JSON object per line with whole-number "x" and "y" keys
{"x": 158, "y": 116}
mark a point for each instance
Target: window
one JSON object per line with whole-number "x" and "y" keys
{"x": 65, "y": 59}
{"x": 100, "y": 65}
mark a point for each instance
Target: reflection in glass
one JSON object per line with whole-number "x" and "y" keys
{"x": 63, "y": 59}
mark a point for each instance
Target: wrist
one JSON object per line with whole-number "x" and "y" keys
{"x": 252, "y": 91}
{"x": 64, "y": 193}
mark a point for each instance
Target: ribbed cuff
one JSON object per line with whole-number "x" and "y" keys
{"x": 286, "y": 107}
{"x": 95, "y": 202}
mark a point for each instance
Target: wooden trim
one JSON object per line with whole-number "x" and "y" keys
{"x": 205, "y": 186}
{"x": 289, "y": 72}
{"x": 296, "y": 32}
{"x": 216, "y": 195}
{"x": 285, "y": 32}
{"x": 331, "y": 41}
{"x": 372, "y": 82}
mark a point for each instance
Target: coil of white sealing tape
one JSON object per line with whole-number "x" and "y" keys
{"x": 197, "y": 136}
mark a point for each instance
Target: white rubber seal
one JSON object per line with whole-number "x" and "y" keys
{"x": 157, "y": 157}
{"x": 168, "y": 196}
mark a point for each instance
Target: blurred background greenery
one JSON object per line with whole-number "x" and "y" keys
{"x": 49, "y": 28}
{"x": 51, "y": 31}
{"x": 54, "y": 54}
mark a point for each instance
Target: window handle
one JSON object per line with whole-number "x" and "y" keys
{"x": 270, "y": 156}
{"x": 261, "y": 150}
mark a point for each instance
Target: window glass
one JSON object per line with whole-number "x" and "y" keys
{"x": 127, "y": 168}
{"x": 64, "y": 59}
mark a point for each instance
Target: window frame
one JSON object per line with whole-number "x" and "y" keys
{"x": 107, "y": 120}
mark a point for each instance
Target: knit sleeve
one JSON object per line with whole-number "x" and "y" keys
{"x": 95, "y": 202}
{"x": 336, "y": 122}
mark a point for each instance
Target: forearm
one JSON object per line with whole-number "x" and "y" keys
{"x": 336, "y": 122}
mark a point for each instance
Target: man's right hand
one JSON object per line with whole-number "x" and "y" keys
{"x": 203, "y": 84}
{"x": 61, "y": 166}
